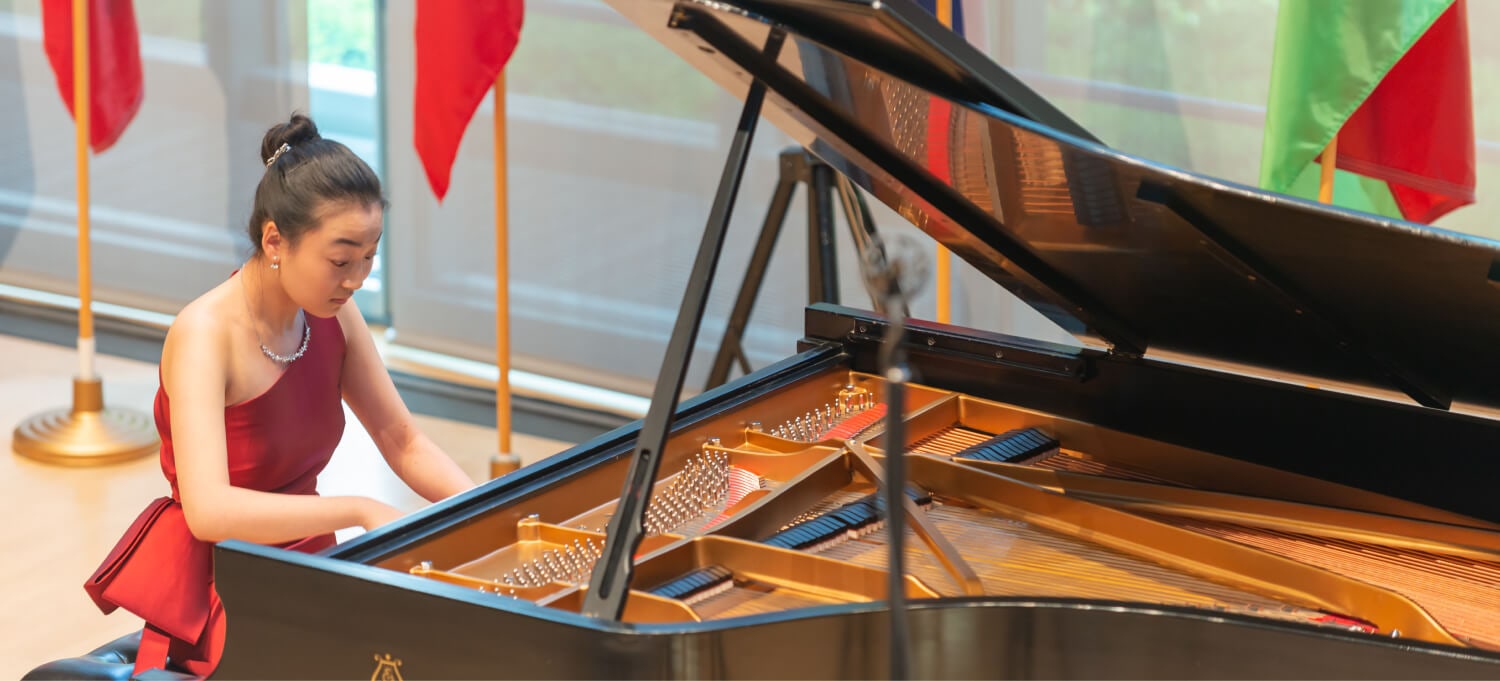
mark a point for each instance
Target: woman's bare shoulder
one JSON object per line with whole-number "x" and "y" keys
{"x": 201, "y": 325}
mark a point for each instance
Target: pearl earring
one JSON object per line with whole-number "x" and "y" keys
{"x": 275, "y": 265}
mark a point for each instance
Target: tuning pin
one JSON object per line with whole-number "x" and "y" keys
{"x": 847, "y": 396}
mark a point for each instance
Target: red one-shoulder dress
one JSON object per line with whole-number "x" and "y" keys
{"x": 278, "y": 441}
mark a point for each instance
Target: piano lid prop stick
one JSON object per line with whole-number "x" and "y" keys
{"x": 1327, "y": 162}
{"x": 505, "y": 460}
{"x": 610, "y": 582}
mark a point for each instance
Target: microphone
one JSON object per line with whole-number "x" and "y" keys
{"x": 895, "y": 271}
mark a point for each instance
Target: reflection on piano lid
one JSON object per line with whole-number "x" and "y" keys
{"x": 1170, "y": 500}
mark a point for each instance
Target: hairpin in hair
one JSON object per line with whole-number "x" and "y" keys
{"x": 284, "y": 148}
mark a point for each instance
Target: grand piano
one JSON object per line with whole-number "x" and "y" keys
{"x": 1272, "y": 453}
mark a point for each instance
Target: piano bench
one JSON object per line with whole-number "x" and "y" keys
{"x": 113, "y": 661}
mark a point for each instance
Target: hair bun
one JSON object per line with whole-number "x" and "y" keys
{"x": 295, "y": 132}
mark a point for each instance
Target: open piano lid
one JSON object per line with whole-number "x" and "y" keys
{"x": 1121, "y": 252}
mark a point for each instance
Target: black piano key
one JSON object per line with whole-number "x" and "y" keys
{"x": 694, "y": 582}
{"x": 820, "y": 530}
{"x": 839, "y": 522}
{"x": 1011, "y": 447}
{"x": 780, "y": 540}
{"x": 857, "y": 515}
{"x": 802, "y": 535}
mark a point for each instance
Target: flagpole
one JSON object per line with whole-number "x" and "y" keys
{"x": 505, "y": 461}
{"x": 88, "y": 434}
{"x": 944, "y": 260}
{"x": 1325, "y": 177}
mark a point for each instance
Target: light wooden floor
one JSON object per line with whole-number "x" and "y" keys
{"x": 62, "y": 521}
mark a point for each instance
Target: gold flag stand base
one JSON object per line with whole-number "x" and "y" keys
{"x": 88, "y": 434}
{"x": 500, "y": 464}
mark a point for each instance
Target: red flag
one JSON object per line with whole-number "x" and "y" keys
{"x": 115, "y": 83}
{"x": 461, "y": 47}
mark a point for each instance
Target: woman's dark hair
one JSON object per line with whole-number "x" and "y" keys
{"x": 306, "y": 175}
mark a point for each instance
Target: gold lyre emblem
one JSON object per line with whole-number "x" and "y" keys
{"x": 387, "y": 668}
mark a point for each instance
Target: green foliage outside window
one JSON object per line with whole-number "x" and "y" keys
{"x": 341, "y": 32}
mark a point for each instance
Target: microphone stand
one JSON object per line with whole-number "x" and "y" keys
{"x": 892, "y": 281}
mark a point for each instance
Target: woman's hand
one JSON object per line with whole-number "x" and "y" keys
{"x": 374, "y": 513}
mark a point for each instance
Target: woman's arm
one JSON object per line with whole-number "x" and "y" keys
{"x": 372, "y": 396}
{"x": 194, "y": 367}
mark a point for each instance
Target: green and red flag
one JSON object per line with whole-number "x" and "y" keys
{"x": 1391, "y": 79}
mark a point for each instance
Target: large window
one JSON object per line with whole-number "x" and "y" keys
{"x": 616, "y": 147}
{"x": 343, "y": 59}
{"x": 171, "y": 198}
